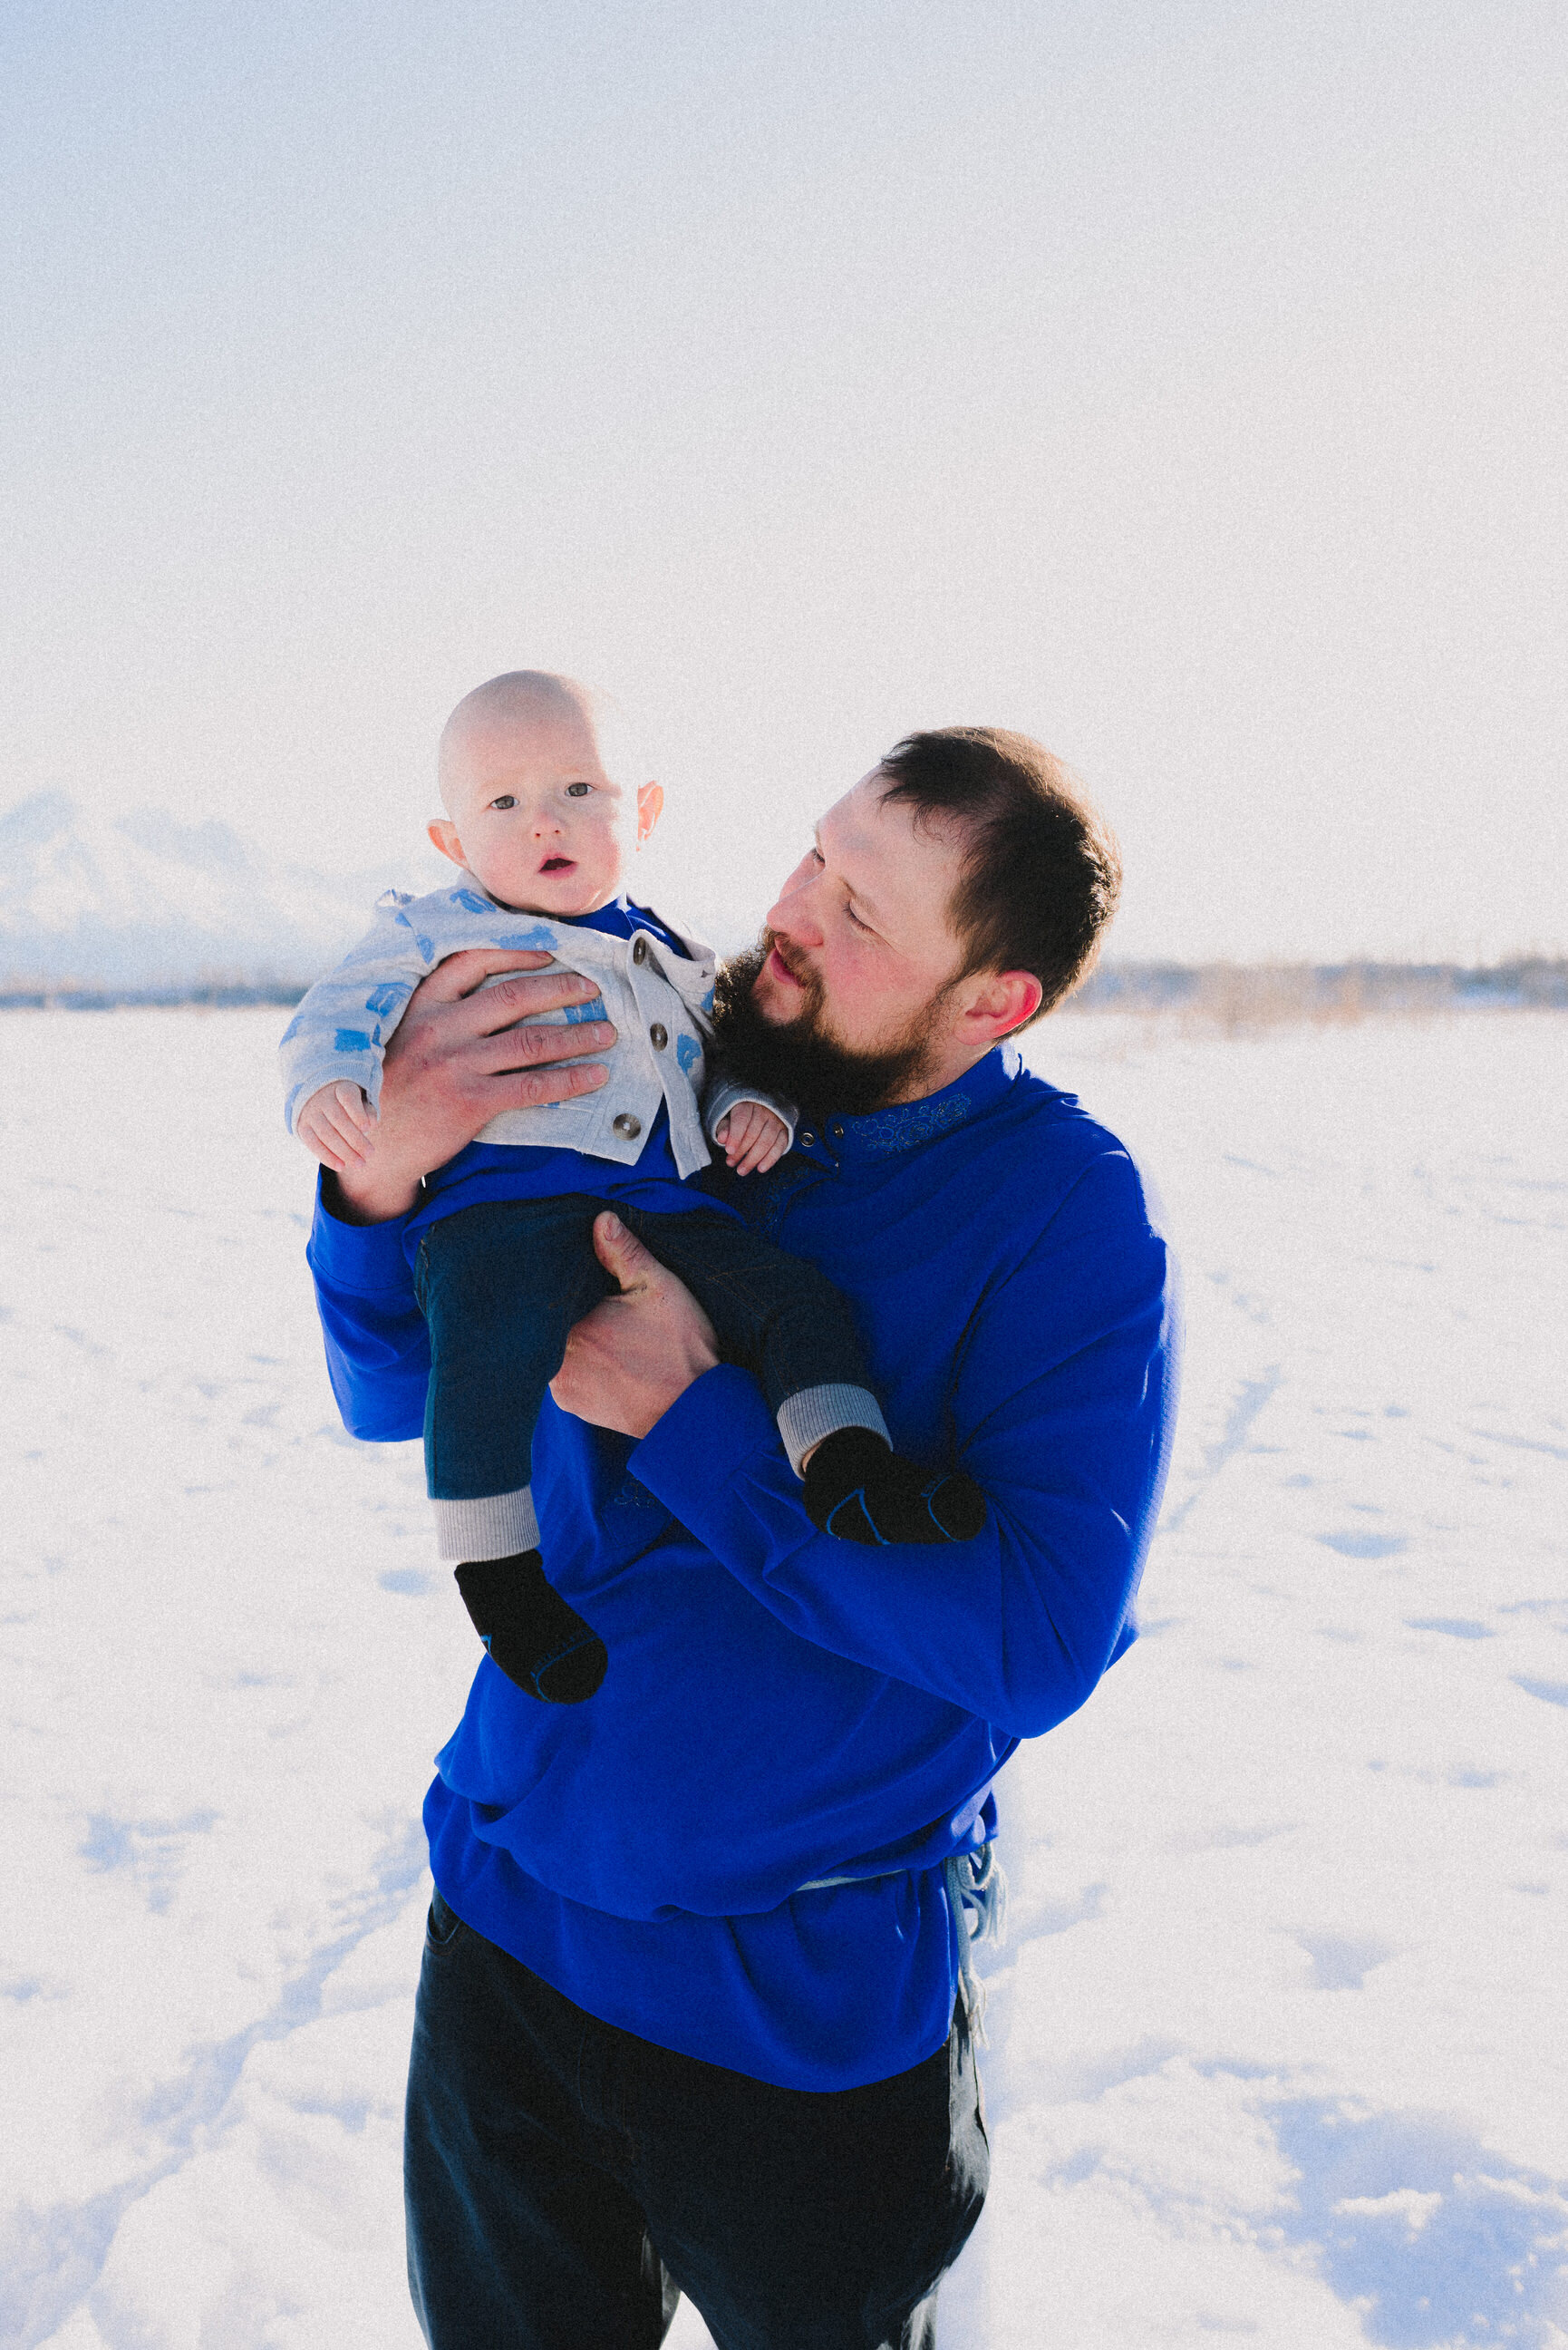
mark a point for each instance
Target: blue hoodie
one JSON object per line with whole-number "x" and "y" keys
{"x": 781, "y": 1707}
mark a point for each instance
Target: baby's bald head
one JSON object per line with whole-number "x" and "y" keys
{"x": 542, "y": 792}
{"x": 579, "y": 725}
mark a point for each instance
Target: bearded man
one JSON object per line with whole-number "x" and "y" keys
{"x": 694, "y": 2011}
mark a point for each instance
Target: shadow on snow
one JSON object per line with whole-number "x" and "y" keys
{"x": 1436, "y": 2239}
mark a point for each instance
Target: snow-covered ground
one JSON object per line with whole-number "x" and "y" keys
{"x": 1277, "y": 2047}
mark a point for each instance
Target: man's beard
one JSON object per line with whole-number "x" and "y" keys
{"x": 801, "y": 1060}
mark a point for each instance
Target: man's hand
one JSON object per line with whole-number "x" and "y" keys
{"x": 627, "y": 1361}
{"x": 455, "y": 1061}
{"x": 753, "y": 1138}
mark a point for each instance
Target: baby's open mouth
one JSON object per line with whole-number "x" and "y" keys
{"x": 558, "y": 864}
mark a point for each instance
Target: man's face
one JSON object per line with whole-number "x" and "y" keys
{"x": 859, "y": 944}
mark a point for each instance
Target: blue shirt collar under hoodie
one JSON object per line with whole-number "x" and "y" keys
{"x": 840, "y": 1140}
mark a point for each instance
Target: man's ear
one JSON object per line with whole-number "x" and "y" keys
{"x": 649, "y": 808}
{"x": 1001, "y": 1002}
{"x": 442, "y": 834}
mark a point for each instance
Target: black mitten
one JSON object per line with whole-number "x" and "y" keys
{"x": 531, "y": 1633}
{"x": 858, "y": 1488}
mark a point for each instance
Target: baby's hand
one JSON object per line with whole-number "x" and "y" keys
{"x": 754, "y": 1139}
{"x": 335, "y": 1125}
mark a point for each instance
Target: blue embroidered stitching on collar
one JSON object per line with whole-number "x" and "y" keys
{"x": 909, "y": 1123}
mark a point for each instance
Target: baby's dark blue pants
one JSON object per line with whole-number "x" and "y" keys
{"x": 501, "y": 1285}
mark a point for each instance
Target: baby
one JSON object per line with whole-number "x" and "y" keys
{"x": 540, "y": 815}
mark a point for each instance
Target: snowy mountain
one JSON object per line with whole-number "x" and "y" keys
{"x": 142, "y": 900}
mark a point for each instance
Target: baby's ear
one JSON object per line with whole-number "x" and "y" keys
{"x": 649, "y": 807}
{"x": 443, "y": 835}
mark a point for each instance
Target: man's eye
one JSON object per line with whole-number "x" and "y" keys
{"x": 506, "y": 800}
{"x": 578, "y": 791}
{"x": 855, "y": 919}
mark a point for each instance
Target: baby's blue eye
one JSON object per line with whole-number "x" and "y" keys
{"x": 506, "y": 800}
{"x": 577, "y": 791}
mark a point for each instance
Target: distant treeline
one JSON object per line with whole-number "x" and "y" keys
{"x": 1258, "y": 996}
{"x": 1227, "y": 996}
{"x": 71, "y": 995}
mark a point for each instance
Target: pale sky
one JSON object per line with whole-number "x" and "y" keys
{"x": 1181, "y": 383}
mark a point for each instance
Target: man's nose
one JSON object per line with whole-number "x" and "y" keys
{"x": 794, "y": 916}
{"x": 790, "y": 920}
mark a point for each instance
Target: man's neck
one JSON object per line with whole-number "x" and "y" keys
{"x": 922, "y": 1083}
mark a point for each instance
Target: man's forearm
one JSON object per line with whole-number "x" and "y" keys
{"x": 1058, "y": 1411}
{"x": 378, "y": 1350}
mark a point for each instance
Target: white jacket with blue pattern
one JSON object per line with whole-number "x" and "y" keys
{"x": 661, "y": 1004}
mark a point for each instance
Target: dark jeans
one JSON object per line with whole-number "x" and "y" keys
{"x": 501, "y": 1285}
{"x": 566, "y": 2181}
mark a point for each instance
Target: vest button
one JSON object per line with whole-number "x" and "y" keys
{"x": 808, "y": 1139}
{"x": 660, "y": 1034}
{"x": 628, "y": 1125}
{"x": 639, "y": 948}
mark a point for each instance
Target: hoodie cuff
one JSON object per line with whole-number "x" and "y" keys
{"x": 365, "y": 1258}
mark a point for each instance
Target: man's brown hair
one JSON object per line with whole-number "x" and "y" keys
{"x": 1040, "y": 872}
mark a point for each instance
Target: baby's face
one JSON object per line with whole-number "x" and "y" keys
{"x": 535, "y": 816}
